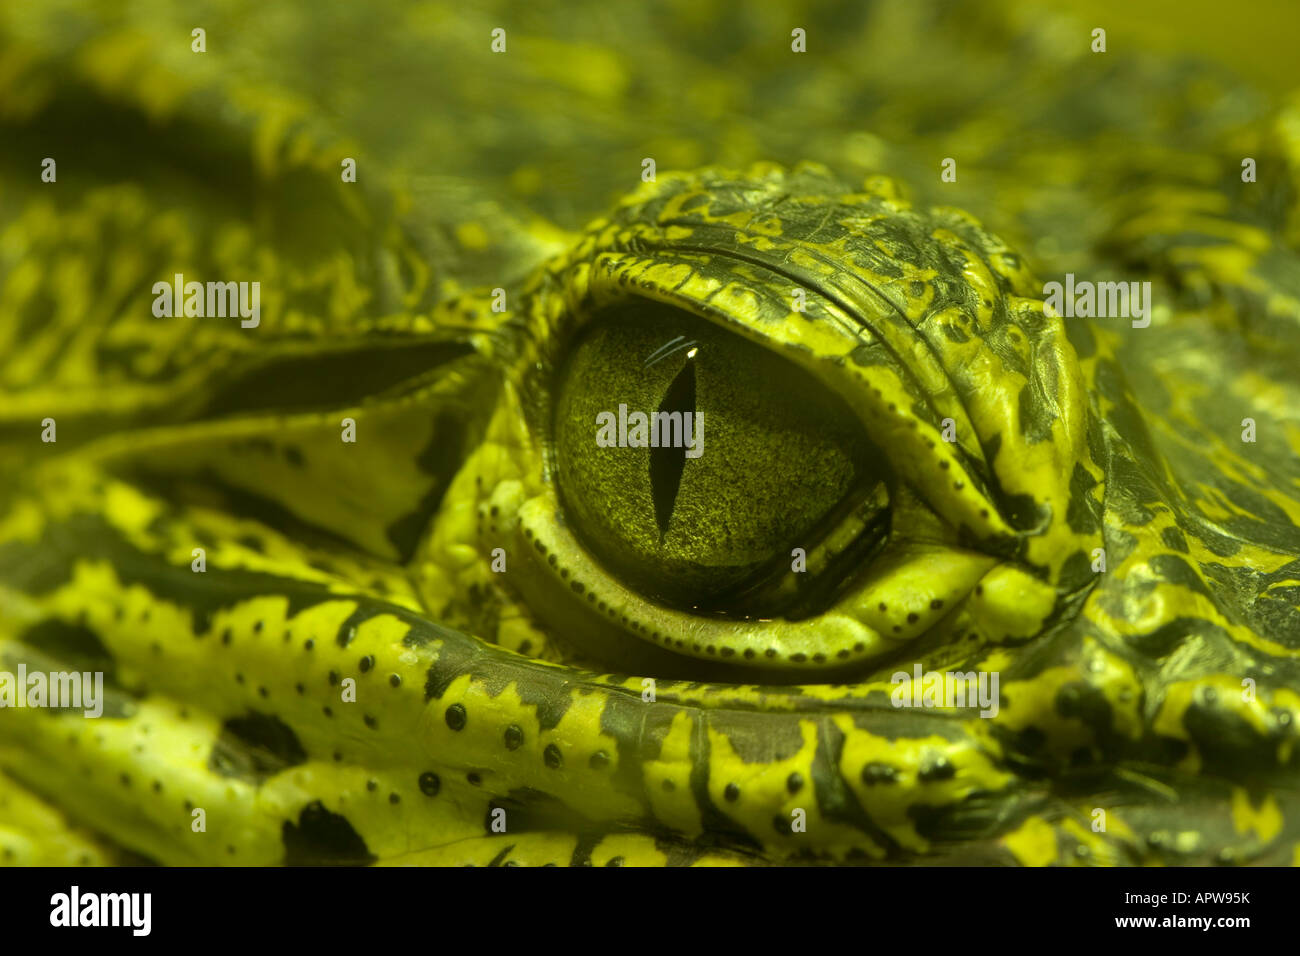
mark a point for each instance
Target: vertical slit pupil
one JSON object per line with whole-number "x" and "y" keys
{"x": 669, "y": 458}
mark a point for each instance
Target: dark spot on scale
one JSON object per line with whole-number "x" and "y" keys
{"x": 257, "y": 628}
{"x": 366, "y": 663}
{"x": 668, "y": 786}
{"x": 615, "y": 861}
{"x": 794, "y": 782}
{"x": 255, "y": 747}
{"x": 333, "y": 678}
{"x": 883, "y": 606}
{"x": 877, "y": 773}
{"x": 327, "y": 711}
{"x": 1173, "y": 539}
{"x": 372, "y": 785}
{"x": 300, "y": 689}
{"x": 514, "y": 737}
{"x": 395, "y": 680}
{"x": 394, "y": 798}
{"x": 308, "y": 644}
{"x": 940, "y": 768}
{"x": 732, "y": 793}
{"x": 598, "y": 761}
{"x": 770, "y": 652}
{"x": 554, "y": 759}
{"x": 322, "y": 838}
{"x": 225, "y": 636}
{"x": 430, "y": 784}
{"x": 370, "y": 721}
{"x": 474, "y": 778}
{"x": 456, "y": 717}
{"x": 913, "y": 618}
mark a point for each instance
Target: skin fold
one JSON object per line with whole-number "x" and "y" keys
{"x": 362, "y": 586}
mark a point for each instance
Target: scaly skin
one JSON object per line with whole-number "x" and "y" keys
{"x": 476, "y": 690}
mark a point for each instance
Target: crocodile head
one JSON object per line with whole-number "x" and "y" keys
{"x": 930, "y": 573}
{"x": 930, "y": 587}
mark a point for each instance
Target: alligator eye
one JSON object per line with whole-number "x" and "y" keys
{"x": 691, "y": 461}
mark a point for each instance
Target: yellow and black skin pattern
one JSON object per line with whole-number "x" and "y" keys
{"x": 364, "y": 589}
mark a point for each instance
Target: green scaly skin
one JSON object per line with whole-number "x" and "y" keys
{"x": 350, "y": 680}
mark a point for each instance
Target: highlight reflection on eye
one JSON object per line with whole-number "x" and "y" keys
{"x": 690, "y": 461}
